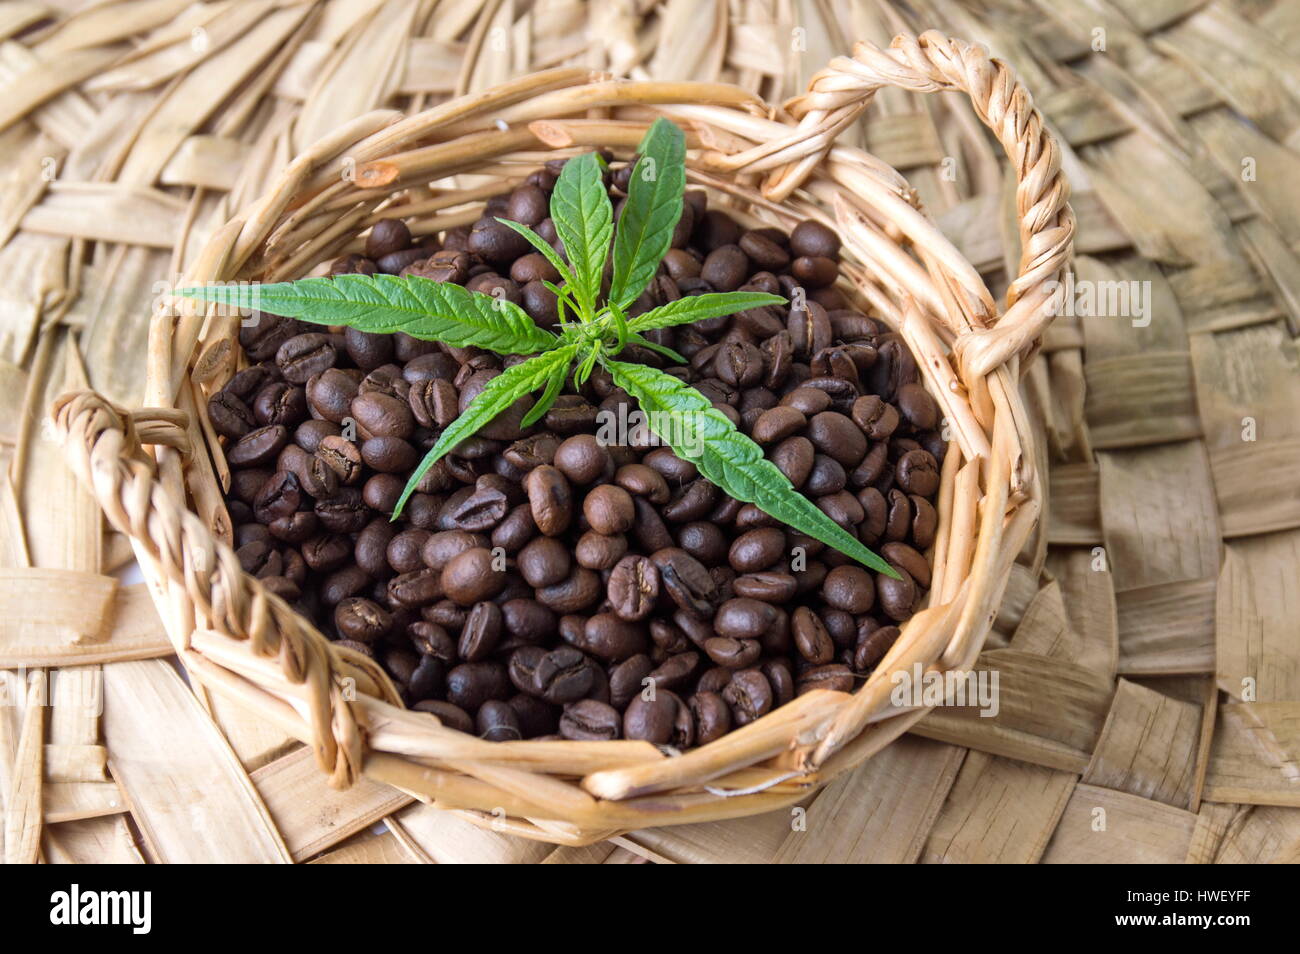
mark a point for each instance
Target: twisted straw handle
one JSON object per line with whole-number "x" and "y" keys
{"x": 103, "y": 444}
{"x": 933, "y": 62}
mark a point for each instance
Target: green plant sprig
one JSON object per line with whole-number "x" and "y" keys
{"x": 598, "y": 331}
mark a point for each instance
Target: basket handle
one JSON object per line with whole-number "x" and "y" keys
{"x": 931, "y": 63}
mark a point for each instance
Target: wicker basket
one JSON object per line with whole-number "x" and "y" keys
{"x": 157, "y": 471}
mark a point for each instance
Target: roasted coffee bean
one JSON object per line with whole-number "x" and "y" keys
{"x": 430, "y": 639}
{"x": 429, "y": 679}
{"x": 609, "y": 638}
{"x": 261, "y": 336}
{"x": 757, "y": 550}
{"x": 794, "y": 458}
{"x": 345, "y": 512}
{"x": 609, "y": 509}
{"x": 733, "y": 653}
{"x": 901, "y": 555}
{"x": 382, "y": 491}
{"x": 897, "y": 596}
{"x": 471, "y": 576}
{"x": 703, "y": 540}
{"x": 387, "y": 236}
{"x": 362, "y": 620}
{"x": 330, "y": 394}
{"x": 516, "y": 530}
{"x": 627, "y": 678}
{"x": 749, "y": 695}
{"x": 496, "y": 721}
{"x": 452, "y": 716}
{"x": 544, "y": 561}
{"x": 478, "y": 511}
{"x": 768, "y": 586}
{"x": 559, "y": 676}
{"x": 483, "y": 630}
{"x": 877, "y": 419}
{"x": 389, "y": 455}
{"x": 811, "y": 638}
{"x": 327, "y": 552}
{"x": 843, "y": 508}
{"x": 440, "y": 547}
{"x": 810, "y": 330}
{"x": 633, "y": 587}
{"x": 649, "y": 529}
{"x": 924, "y": 522}
{"x": 578, "y": 591}
{"x": 342, "y": 583}
{"x": 229, "y": 415}
{"x": 342, "y": 457}
{"x": 382, "y": 415}
{"x": 836, "y": 677}
{"x": 778, "y": 423}
{"x": 582, "y": 459}
{"x": 295, "y": 528}
{"x": 687, "y": 582}
{"x": 550, "y": 498}
{"x": 763, "y": 252}
{"x": 305, "y": 355}
{"x": 536, "y": 718}
{"x": 849, "y": 588}
{"x": 589, "y": 720}
{"x": 744, "y": 618}
{"x": 279, "y": 497}
{"x": 814, "y": 239}
{"x": 651, "y": 720}
{"x": 838, "y": 437}
{"x": 712, "y": 717}
{"x": 471, "y": 684}
{"x": 642, "y": 481}
{"x": 871, "y": 646}
{"x": 917, "y": 472}
{"x": 692, "y": 502}
{"x": 496, "y": 243}
{"x": 258, "y": 448}
{"x": 528, "y": 205}
{"x": 415, "y": 589}
{"x": 781, "y": 679}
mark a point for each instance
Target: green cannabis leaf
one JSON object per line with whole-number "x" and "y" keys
{"x": 729, "y": 459}
{"x": 434, "y": 311}
{"x": 583, "y": 216}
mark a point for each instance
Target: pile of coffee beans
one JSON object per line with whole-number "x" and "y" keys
{"x": 544, "y": 582}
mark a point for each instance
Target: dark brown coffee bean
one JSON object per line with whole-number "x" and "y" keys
{"x": 876, "y": 418}
{"x": 651, "y": 720}
{"x": 341, "y": 456}
{"x": 781, "y": 679}
{"x": 429, "y": 679}
{"x": 339, "y": 585}
{"x": 764, "y": 252}
{"x": 778, "y": 423}
{"x": 471, "y": 684}
{"x": 649, "y": 529}
{"x": 483, "y": 629}
{"x": 582, "y": 459}
{"x": 440, "y": 547}
{"x": 609, "y": 509}
{"x": 389, "y": 455}
{"x": 305, "y": 355}
{"x": 609, "y": 638}
{"x": 849, "y": 588}
{"x": 387, "y": 236}
{"x": 229, "y": 415}
{"x": 544, "y": 561}
{"x": 383, "y": 415}
{"x": 749, "y": 695}
{"x": 471, "y": 577}
{"x": 901, "y": 555}
{"x": 703, "y": 540}
{"x": 732, "y": 653}
{"x": 362, "y": 620}
{"x": 258, "y": 448}
{"x": 813, "y": 238}
{"x": 838, "y": 437}
{"x": 897, "y": 597}
{"x": 430, "y": 639}
{"x": 757, "y": 550}
{"x": 561, "y": 675}
{"x": 633, "y": 587}
{"x": 687, "y": 582}
{"x": 924, "y": 522}
{"x": 496, "y": 243}
{"x": 627, "y": 678}
{"x": 589, "y": 720}
{"x": 382, "y": 491}
{"x": 580, "y": 590}
{"x": 496, "y": 721}
{"x": 770, "y": 587}
{"x": 550, "y": 498}
{"x": 528, "y": 205}
{"x": 261, "y": 335}
{"x": 415, "y": 589}
{"x": 345, "y": 512}
{"x": 279, "y": 497}
{"x": 917, "y": 472}
{"x": 811, "y": 638}
{"x": 814, "y": 271}
{"x": 712, "y": 717}
{"x": 744, "y": 618}
{"x": 810, "y": 330}
{"x": 452, "y": 716}
{"x": 326, "y": 552}
{"x": 872, "y": 644}
{"x": 404, "y": 550}
{"x": 642, "y": 481}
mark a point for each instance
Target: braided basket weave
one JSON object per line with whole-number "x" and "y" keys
{"x": 158, "y": 472}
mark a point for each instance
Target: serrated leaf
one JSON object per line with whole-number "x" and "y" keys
{"x": 654, "y": 204}
{"x": 548, "y": 397}
{"x": 543, "y": 246}
{"x": 731, "y": 460}
{"x": 584, "y": 221}
{"x": 502, "y": 391}
{"x": 433, "y": 311}
{"x": 684, "y": 311}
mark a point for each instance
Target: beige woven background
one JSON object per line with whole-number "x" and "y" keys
{"x": 1148, "y": 650}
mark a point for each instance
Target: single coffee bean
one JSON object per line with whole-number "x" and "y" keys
{"x": 229, "y": 415}
{"x": 305, "y": 355}
{"x": 578, "y": 591}
{"x": 428, "y": 680}
{"x": 877, "y": 419}
{"x": 609, "y": 509}
{"x": 838, "y": 437}
{"x": 744, "y": 618}
{"x": 496, "y": 721}
{"x": 872, "y": 644}
{"x": 471, "y": 577}
{"x": 917, "y": 472}
{"x": 483, "y": 629}
{"x": 544, "y": 562}
{"x": 589, "y": 720}
{"x": 651, "y": 720}
{"x": 642, "y": 481}
{"x": 794, "y": 458}
{"x": 769, "y": 586}
{"x": 849, "y": 588}
{"x": 901, "y": 555}
{"x": 627, "y": 678}
{"x": 596, "y": 551}
{"x": 687, "y": 582}
{"x": 778, "y": 423}
{"x": 749, "y": 695}
{"x": 471, "y": 684}
{"x": 415, "y": 589}
{"x": 279, "y": 497}
{"x": 757, "y": 550}
{"x": 582, "y": 459}
{"x": 733, "y": 653}
{"x": 712, "y": 716}
{"x": 561, "y": 675}
{"x": 259, "y": 447}
{"x": 781, "y": 679}
{"x": 811, "y": 638}
{"x": 611, "y": 639}
{"x": 361, "y": 620}
{"x": 897, "y": 597}
{"x": 387, "y": 236}
{"x": 550, "y": 498}
{"x": 814, "y": 239}
{"x": 633, "y": 587}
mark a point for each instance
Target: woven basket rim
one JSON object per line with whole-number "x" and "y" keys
{"x": 783, "y": 163}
